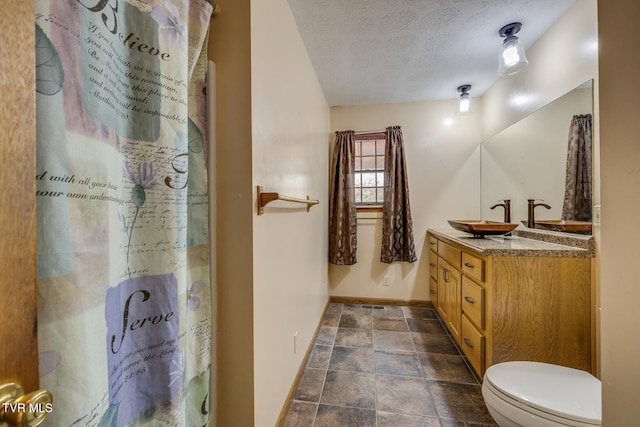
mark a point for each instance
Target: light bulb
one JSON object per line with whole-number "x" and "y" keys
{"x": 465, "y": 104}
{"x": 510, "y": 56}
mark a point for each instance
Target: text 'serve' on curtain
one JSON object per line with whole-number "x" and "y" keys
{"x": 578, "y": 183}
{"x": 124, "y": 298}
{"x": 397, "y": 224}
{"x": 343, "y": 221}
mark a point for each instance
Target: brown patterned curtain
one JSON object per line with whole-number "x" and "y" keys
{"x": 397, "y": 226}
{"x": 578, "y": 187}
{"x": 343, "y": 228}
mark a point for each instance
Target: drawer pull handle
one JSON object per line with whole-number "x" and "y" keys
{"x": 469, "y": 300}
{"x": 432, "y": 292}
{"x": 432, "y": 265}
{"x": 466, "y": 264}
{"x": 445, "y": 275}
{"x": 432, "y": 243}
{"x": 468, "y": 343}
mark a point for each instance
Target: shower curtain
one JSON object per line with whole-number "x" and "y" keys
{"x": 124, "y": 297}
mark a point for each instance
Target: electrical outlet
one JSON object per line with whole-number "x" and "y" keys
{"x": 597, "y": 216}
{"x": 385, "y": 281}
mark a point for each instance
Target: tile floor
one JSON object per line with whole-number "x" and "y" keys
{"x": 385, "y": 366}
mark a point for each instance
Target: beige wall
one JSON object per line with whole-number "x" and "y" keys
{"x": 290, "y": 121}
{"x": 620, "y": 173}
{"x": 272, "y": 127}
{"x": 563, "y": 58}
{"x": 443, "y": 163}
{"x": 230, "y": 49}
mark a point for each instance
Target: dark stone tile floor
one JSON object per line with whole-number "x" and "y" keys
{"x": 386, "y": 366}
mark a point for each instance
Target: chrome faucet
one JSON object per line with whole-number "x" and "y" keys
{"x": 506, "y": 204}
{"x": 531, "y": 222}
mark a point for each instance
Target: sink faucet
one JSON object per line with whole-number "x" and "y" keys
{"x": 506, "y": 204}
{"x": 531, "y": 223}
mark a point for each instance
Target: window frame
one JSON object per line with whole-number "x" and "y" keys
{"x": 364, "y": 137}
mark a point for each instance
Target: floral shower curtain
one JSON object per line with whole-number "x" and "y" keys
{"x": 578, "y": 186}
{"x": 397, "y": 224}
{"x": 124, "y": 297}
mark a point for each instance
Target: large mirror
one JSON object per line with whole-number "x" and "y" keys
{"x": 528, "y": 159}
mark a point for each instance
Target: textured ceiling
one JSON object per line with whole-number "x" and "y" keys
{"x": 375, "y": 52}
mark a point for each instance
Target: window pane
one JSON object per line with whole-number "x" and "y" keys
{"x": 379, "y": 179}
{"x": 358, "y": 151}
{"x": 368, "y": 163}
{"x": 380, "y": 147}
{"x": 368, "y": 195}
{"x": 358, "y": 195}
{"x": 357, "y": 180}
{"x": 358, "y": 162}
{"x": 381, "y": 195}
{"x": 368, "y": 179}
{"x": 368, "y": 148}
{"x": 380, "y": 163}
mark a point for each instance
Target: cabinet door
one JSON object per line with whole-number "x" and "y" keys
{"x": 449, "y": 297}
{"x": 441, "y": 304}
{"x": 433, "y": 291}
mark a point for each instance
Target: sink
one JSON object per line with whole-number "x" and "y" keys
{"x": 567, "y": 226}
{"x": 481, "y": 228}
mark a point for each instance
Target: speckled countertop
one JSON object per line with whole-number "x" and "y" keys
{"x": 524, "y": 242}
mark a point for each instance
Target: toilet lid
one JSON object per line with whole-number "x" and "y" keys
{"x": 558, "y": 390}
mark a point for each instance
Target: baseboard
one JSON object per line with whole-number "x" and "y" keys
{"x": 294, "y": 386}
{"x": 305, "y": 359}
{"x": 380, "y": 301}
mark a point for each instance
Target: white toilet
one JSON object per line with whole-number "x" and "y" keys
{"x": 534, "y": 394}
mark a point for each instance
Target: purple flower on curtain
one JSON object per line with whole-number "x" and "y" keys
{"x": 143, "y": 180}
{"x": 175, "y": 32}
{"x": 192, "y": 300}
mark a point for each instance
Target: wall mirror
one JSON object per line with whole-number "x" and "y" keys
{"x": 528, "y": 159}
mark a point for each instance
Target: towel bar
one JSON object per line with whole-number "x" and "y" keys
{"x": 267, "y": 197}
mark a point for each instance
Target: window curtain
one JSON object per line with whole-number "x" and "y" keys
{"x": 397, "y": 225}
{"x": 124, "y": 292}
{"x": 343, "y": 228}
{"x": 578, "y": 185}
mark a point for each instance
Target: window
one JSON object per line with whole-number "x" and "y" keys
{"x": 369, "y": 172}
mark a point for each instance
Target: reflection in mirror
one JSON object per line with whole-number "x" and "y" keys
{"x": 528, "y": 160}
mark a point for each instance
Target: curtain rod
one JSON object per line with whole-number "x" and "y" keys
{"x": 370, "y": 131}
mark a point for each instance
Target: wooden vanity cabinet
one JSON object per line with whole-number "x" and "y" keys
{"x": 502, "y": 308}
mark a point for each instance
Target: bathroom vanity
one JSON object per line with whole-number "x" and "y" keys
{"x": 523, "y": 297}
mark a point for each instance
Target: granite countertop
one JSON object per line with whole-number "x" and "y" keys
{"x": 523, "y": 242}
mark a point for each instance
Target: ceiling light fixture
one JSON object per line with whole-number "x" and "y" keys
{"x": 465, "y": 99}
{"x": 512, "y": 58}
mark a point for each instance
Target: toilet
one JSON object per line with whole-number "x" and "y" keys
{"x": 534, "y": 394}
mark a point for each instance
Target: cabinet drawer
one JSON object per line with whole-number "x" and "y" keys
{"x": 472, "y": 344}
{"x": 473, "y": 301}
{"x": 473, "y": 266}
{"x": 433, "y": 265}
{"x": 433, "y": 291}
{"x": 449, "y": 254}
{"x": 433, "y": 243}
